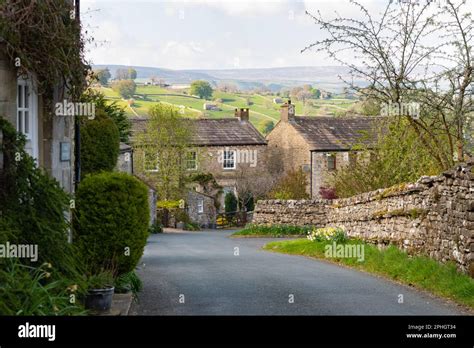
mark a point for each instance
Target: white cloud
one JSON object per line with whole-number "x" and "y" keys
{"x": 182, "y": 48}
{"x": 213, "y": 35}
{"x": 247, "y": 7}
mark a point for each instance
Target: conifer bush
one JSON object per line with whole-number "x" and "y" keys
{"x": 111, "y": 222}
{"x": 100, "y": 144}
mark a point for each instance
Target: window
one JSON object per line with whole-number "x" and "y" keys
{"x": 23, "y": 103}
{"x": 27, "y": 115}
{"x": 200, "y": 206}
{"x": 150, "y": 162}
{"x": 191, "y": 160}
{"x": 331, "y": 161}
{"x": 229, "y": 160}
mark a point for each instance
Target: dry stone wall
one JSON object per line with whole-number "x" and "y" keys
{"x": 434, "y": 216}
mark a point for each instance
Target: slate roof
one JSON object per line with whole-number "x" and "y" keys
{"x": 124, "y": 147}
{"x": 215, "y": 132}
{"x": 335, "y": 133}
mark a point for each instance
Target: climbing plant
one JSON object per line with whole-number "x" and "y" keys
{"x": 44, "y": 38}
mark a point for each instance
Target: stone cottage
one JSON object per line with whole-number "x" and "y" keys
{"x": 50, "y": 137}
{"x": 224, "y": 150}
{"x": 317, "y": 145}
{"x": 201, "y": 209}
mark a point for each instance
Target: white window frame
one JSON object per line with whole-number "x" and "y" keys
{"x": 200, "y": 206}
{"x": 30, "y": 97}
{"x": 227, "y": 160}
{"x": 194, "y": 160}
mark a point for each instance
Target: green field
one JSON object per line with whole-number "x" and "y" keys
{"x": 261, "y": 107}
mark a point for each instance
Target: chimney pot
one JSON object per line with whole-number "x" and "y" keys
{"x": 242, "y": 114}
{"x": 287, "y": 112}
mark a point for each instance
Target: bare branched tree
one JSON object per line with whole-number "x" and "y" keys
{"x": 412, "y": 52}
{"x": 255, "y": 185}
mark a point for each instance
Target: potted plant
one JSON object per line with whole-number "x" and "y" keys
{"x": 100, "y": 291}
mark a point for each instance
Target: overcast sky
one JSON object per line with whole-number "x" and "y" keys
{"x": 206, "y": 34}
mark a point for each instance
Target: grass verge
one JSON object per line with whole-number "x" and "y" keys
{"x": 275, "y": 231}
{"x": 422, "y": 272}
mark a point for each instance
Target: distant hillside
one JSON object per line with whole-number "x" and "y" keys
{"x": 325, "y": 77}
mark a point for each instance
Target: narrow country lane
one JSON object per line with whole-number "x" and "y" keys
{"x": 197, "y": 273}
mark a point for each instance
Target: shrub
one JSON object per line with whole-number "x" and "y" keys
{"x": 156, "y": 228}
{"x": 26, "y": 290}
{"x": 181, "y": 215}
{"x": 327, "y": 193}
{"x": 247, "y": 202}
{"x": 100, "y": 141}
{"x": 33, "y": 205}
{"x": 230, "y": 204}
{"x": 291, "y": 186}
{"x": 191, "y": 226}
{"x": 111, "y": 222}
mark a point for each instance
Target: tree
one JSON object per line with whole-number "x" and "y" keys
{"x": 122, "y": 74}
{"x": 126, "y": 88}
{"x": 285, "y": 92}
{"x": 294, "y": 93}
{"x": 316, "y": 93}
{"x": 390, "y": 161}
{"x": 268, "y": 127}
{"x": 113, "y": 110}
{"x": 412, "y": 53}
{"x": 228, "y": 87}
{"x": 132, "y": 74}
{"x": 202, "y": 89}
{"x": 103, "y": 75}
{"x": 252, "y": 186}
{"x": 161, "y": 149}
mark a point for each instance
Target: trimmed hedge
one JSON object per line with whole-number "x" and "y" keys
{"x": 100, "y": 144}
{"x": 111, "y": 222}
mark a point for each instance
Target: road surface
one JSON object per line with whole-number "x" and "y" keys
{"x": 208, "y": 273}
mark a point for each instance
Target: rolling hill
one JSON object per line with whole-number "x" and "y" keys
{"x": 324, "y": 77}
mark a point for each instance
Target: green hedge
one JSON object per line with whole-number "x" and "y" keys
{"x": 111, "y": 222}
{"x": 32, "y": 204}
{"x": 32, "y": 211}
{"x": 100, "y": 144}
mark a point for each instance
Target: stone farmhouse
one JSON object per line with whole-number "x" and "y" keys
{"x": 225, "y": 148}
{"x": 317, "y": 145}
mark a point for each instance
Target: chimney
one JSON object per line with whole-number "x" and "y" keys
{"x": 287, "y": 112}
{"x": 242, "y": 114}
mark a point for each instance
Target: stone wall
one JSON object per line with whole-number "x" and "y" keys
{"x": 434, "y": 216}
{"x": 205, "y": 218}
